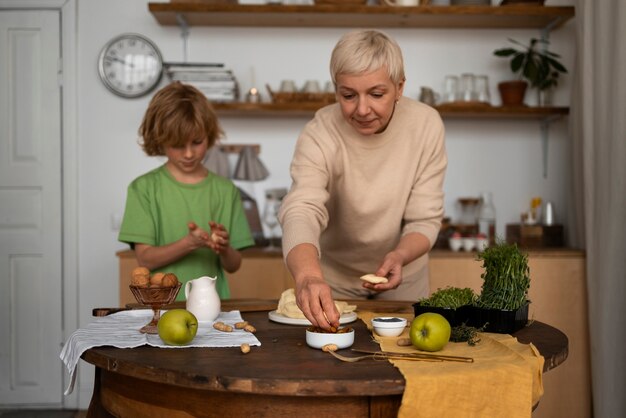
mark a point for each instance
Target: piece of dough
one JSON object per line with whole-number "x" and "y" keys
{"x": 288, "y": 307}
{"x": 371, "y": 278}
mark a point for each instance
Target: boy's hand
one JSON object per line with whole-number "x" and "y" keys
{"x": 198, "y": 236}
{"x": 219, "y": 241}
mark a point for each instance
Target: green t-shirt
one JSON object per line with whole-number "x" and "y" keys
{"x": 158, "y": 209}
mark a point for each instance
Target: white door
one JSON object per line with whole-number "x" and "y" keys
{"x": 30, "y": 209}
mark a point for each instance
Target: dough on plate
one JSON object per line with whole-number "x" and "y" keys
{"x": 287, "y": 305}
{"x": 372, "y": 278}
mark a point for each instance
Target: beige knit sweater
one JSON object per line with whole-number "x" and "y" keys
{"x": 354, "y": 196}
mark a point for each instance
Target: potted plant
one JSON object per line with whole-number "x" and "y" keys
{"x": 503, "y": 301}
{"x": 533, "y": 64}
{"x": 453, "y": 303}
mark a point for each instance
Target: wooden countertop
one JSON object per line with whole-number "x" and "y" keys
{"x": 262, "y": 252}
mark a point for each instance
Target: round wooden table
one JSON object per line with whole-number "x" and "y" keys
{"x": 284, "y": 377}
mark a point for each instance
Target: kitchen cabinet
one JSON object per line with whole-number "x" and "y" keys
{"x": 557, "y": 292}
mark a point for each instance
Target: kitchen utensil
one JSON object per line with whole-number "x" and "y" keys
{"x": 376, "y": 356}
{"x": 440, "y": 357}
{"x": 202, "y": 298}
{"x": 388, "y": 326}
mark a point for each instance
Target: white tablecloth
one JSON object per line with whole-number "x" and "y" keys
{"x": 121, "y": 330}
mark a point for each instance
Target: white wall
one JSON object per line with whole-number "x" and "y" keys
{"x": 504, "y": 157}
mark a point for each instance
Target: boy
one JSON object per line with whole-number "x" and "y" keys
{"x": 181, "y": 218}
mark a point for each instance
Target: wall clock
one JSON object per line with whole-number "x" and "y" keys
{"x": 130, "y": 65}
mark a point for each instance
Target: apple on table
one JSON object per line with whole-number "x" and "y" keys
{"x": 177, "y": 327}
{"x": 430, "y": 331}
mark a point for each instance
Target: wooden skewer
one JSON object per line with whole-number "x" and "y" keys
{"x": 418, "y": 355}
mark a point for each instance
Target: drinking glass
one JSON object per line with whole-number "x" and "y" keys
{"x": 468, "y": 88}
{"x": 451, "y": 87}
{"x": 482, "y": 89}
{"x": 270, "y": 219}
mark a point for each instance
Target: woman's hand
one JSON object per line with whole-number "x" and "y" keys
{"x": 410, "y": 247}
{"x": 391, "y": 268}
{"x": 314, "y": 298}
{"x": 313, "y": 295}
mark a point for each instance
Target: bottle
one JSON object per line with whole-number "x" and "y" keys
{"x": 487, "y": 218}
{"x": 548, "y": 215}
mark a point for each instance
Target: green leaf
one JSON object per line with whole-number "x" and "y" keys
{"x": 505, "y": 52}
{"x": 557, "y": 65}
{"x": 516, "y": 62}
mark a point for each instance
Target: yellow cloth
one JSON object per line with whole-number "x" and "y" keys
{"x": 505, "y": 379}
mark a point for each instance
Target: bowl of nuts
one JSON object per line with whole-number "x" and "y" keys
{"x": 318, "y": 338}
{"x": 154, "y": 291}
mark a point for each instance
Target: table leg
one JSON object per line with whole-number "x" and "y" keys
{"x": 96, "y": 410}
{"x": 385, "y": 406}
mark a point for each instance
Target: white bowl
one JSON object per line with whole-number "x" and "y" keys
{"x": 455, "y": 243}
{"x": 388, "y": 326}
{"x": 481, "y": 244}
{"x": 468, "y": 244}
{"x": 320, "y": 339}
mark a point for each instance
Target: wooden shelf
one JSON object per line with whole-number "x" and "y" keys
{"x": 501, "y": 112}
{"x": 308, "y": 109}
{"x": 461, "y": 17}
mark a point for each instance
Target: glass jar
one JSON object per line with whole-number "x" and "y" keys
{"x": 487, "y": 218}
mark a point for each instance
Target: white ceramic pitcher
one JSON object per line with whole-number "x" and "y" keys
{"x": 202, "y": 298}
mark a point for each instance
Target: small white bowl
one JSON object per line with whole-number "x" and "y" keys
{"x": 388, "y": 326}
{"x": 481, "y": 244}
{"x": 320, "y": 339}
{"x": 468, "y": 244}
{"x": 455, "y": 243}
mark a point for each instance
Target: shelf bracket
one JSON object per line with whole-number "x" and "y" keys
{"x": 184, "y": 33}
{"x": 545, "y": 130}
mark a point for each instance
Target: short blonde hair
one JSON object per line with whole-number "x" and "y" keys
{"x": 363, "y": 51}
{"x": 177, "y": 114}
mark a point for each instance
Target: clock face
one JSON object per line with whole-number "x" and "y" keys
{"x": 130, "y": 65}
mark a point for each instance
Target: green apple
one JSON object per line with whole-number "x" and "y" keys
{"x": 177, "y": 327}
{"x": 430, "y": 331}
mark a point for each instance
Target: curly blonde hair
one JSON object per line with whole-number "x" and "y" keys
{"x": 368, "y": 50}
{"x": 177, "y": 114}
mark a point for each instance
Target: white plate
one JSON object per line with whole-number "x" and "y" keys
{"x": 276, "y": 317}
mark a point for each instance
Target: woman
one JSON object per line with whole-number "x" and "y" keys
{"x": 366, "y": 196}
